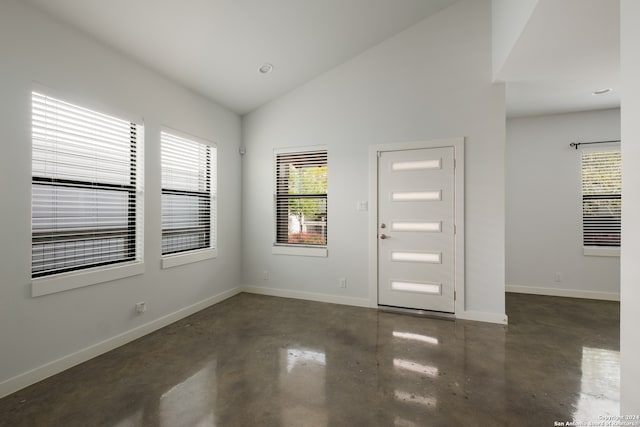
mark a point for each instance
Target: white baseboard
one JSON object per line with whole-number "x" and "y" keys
{"x": 310, "y": 296}
{"x": 362, "y": 302}
{"x": 38, "y": 374}
{"x": 481, "y": 316}
{"x": 571, "y": 293}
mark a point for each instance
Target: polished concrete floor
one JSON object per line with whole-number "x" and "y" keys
{"x": 264, "y": 361}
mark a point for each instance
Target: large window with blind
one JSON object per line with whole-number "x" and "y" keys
{"x": 301, "y": 197}
{"x": 188, "y": 194}
{"x": 86, "y": 188}
{"x": 601, "y": 199}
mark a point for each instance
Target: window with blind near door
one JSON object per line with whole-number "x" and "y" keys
{"x": 601, "y": 198}
{"x": 301, "y": 198}
{"x": 188, "y": 194}
{"x": 86, "y": 188}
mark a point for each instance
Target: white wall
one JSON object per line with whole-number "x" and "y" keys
{"x": 630, "y": 267}
{"x": 509, "y": 17}
{"x": 37, "y": 331}
{"x": 430, "y": 81}
{"x": 544, "y": 206}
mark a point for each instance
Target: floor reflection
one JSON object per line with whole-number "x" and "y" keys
{"x": 419, "y": 368}
{"x": 191, "y": 402}
{"x": 401, "y": 422}
{"x": 406, "y": 397}
{"x": 302, "y": 387}
{"x": 303, "y": 357}
{"x": 132, "y": 420}
{"x": 599, "y": 385}
{"x": 416, "y": 337}
{"x": 264, "y": 361}
{"x": 416, "y": 356}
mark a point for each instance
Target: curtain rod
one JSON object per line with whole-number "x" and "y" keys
{"x": 577, "y": 144}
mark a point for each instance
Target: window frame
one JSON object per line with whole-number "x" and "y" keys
{"x": 188, "y": 256}
{"x": 597, "y": 250}
{"x": 297, "y": 249}
{"x": 68, "y": 278}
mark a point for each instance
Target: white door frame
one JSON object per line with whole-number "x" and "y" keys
{"x": 458, "y": 145}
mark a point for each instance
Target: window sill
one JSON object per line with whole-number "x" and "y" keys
{"x": 601, "y": 251}
{"x": 300, "y": 251}
{"x": 79, "y": 279}
{"x": 188, "y": 258}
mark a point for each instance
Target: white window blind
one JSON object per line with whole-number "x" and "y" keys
{"x": 86, "y": 188}
{"x": 601, "y": 197}
{"x": 188, "y": 194}
{"x": 301, "y": 198}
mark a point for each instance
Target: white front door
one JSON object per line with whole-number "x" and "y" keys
{"x": 416, "y": 229}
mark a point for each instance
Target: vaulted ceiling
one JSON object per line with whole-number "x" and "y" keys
{"x": 565, "y": 51}
{"x": 215, "y": 47}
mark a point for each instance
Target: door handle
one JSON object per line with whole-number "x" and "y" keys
{"x": 383, "y": 236}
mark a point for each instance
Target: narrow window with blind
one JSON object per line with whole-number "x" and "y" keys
{"x": 301, "y": 198}
{"x": 86, "y": 205}
{"x": 188, "y": 194}
{"x": 601, "y": 199}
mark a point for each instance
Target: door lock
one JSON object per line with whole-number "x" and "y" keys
{"x": 383, "y": 225}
